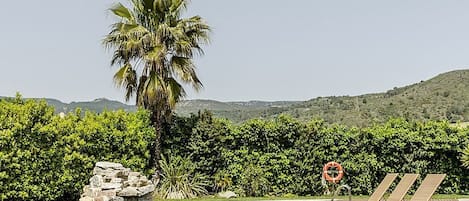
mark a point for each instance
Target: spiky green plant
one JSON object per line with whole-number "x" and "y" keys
{"x": 179, "y": 179}
{"x": 153, "y": 46}
{"x": 222, "y": 181}
{"x": 465, "y": 157}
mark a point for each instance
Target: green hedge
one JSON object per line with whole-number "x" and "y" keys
{"x": 45, "y": 157}
{"x": 283, "y": 155}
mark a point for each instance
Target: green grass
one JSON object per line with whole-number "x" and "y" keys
{"x": 345, "y": 198}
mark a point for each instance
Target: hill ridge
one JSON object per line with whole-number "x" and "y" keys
{"x": 443, "y": 97}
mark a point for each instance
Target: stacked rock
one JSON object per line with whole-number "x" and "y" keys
{"x": 114, "y": 182}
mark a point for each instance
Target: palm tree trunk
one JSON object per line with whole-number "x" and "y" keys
{"x": 158, "y": 123}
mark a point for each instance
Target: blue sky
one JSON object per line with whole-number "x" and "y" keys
{"x": 260, "y": 50}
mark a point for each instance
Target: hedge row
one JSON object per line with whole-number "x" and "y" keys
{"x": 284, "y": 156}
{"x": 45, "y": 157}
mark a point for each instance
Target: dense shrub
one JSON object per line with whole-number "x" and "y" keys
{"x": 283, "y": 155}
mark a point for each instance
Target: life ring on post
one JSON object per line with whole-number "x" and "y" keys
{"x": 338, "y": 167}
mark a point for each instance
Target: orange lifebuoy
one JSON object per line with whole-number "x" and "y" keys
{"x": 339, "y": 169}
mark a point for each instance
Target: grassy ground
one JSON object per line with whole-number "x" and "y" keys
{"x": 444, "y": 197}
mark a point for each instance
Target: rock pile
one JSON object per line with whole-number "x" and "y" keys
{"x": 113, "y": 182}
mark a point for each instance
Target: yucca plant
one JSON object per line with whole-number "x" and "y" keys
{"x": 465, "y": 157}
{"x": 222, "y": 181}
{"x": 179, "y": 179}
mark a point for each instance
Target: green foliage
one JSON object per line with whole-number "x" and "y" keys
{"x": 179, "y": 179}
{"x": 284, "y": 155}
{"x": 465, "y": 157}
{"x": 45, "y": 157}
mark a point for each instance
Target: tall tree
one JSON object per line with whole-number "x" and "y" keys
{"x": 153, "y": 46}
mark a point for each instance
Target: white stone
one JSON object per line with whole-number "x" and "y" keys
{"x": 116, "y": 198}
{"x": 123, "y": 173}
{"x": 109, "y": 193}
{"x": 105, "y": 172}
{"x": 142, "y": 182}
{"x": 96, "y": 181}
{"x": 102, "y": 198}
{"x": 128, "y": 192}
{"x": 107, "y": 186}
{"x": 113, "y": 182}
{"x": 86, "y": 199}
{"x": 145, "y": 190}
{"x": 227, "y": 194}
{"x": 106, "y": 165}
{"x": 91, "y": 192}
{"x": 134, "y": 174}
{"x": 116, "y": 180}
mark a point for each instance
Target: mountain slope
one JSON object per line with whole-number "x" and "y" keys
{"x": 444, "y": 97}
{"x": 234, "y": 111}
{"x": 97, "y": 105}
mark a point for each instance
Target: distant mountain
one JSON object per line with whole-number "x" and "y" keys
{"x": 444, "y": 97}
{"x": 234, "y": 111}
{"x": 97, "y": 105}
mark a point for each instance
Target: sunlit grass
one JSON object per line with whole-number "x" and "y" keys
{"x": 344, "y": 198}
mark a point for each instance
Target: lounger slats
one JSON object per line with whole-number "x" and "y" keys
{"x": 428, "y": 187}
{"x": 383, "y": 187}
{"x": 402, "y": 188}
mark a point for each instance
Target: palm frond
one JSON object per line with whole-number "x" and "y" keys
{"x": 184, "y": 69}
{"x": 154, "y": 40}
{"x": 175, "y": 92}
{"x": 178, "y": 5}
{"x": 121, "y": 11}
{"x": 126, "y": 77}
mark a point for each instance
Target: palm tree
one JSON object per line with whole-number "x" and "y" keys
{"x": 153, "y": 46}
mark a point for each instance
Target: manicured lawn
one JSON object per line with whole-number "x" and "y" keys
{"x": 345, "y": 198}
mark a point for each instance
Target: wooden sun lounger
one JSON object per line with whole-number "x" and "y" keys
{"x": 428, "y": 187}
{"x": 401, "y": 189}
{"x": 383, "y": 187}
